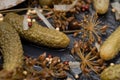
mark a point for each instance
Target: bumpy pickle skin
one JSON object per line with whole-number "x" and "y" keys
{"x": 37, "y": 33}
{"x": 111, "y": 73}
{"x": 111, "y": 46}
{"x": 10, "y": 47}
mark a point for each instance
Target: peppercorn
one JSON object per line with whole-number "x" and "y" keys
{"x": 29, "y": 24}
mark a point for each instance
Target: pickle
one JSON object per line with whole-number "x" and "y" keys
{"x": 46, "y": 3}
{"x": 111, "y": 47}
{"x": 10, "y": 47}
{"x": 111, "y": 73}
{"x": 37, "y": 33}
{"x": 101, "y": 6}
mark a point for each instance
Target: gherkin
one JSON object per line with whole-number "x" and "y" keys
{"x": 111, "y": 46}
{"x": 37, "y": 33}
{"x": 111, "y": 73}
{"x": 10, "y": 47}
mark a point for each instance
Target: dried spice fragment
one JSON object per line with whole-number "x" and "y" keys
{"x": 88, "y": 57}
{"x": 81, "y": 5}
{"x": 90, "y": 28}
{"x": 39, "y": 68}
{"x": 60, "y": 20}
{"x": 63, "y": 19}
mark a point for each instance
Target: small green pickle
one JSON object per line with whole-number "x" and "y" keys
{"x": 10, "y": 47}
{"x": 37, "y": 33}
{"x": 111, "y": 73}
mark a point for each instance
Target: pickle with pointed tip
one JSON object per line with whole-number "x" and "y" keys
{"x": 101, "y": 6}
{"x": 111, "y": 47}
{"x": 37, "y": 33}
{"x": 10, "y": 47}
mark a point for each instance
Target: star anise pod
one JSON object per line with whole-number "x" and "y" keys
{"x": 91, "y": 29}
{"x": 88, "y": 56}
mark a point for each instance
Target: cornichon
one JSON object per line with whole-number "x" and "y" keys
{"x": 101, "y": 6}
{"x": 111, "y": 47}
{"x": 37, "y": 33}
{"x": 10, "y": 47}
{"x": 111, "y": 73}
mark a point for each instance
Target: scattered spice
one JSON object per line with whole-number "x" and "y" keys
{"x": 91, "y": 29}
{"x": 88, "y": 56}
{"x": 39, "y": 69}
{"x": 62, "y": 20}
{"x": 79, "y": 6}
